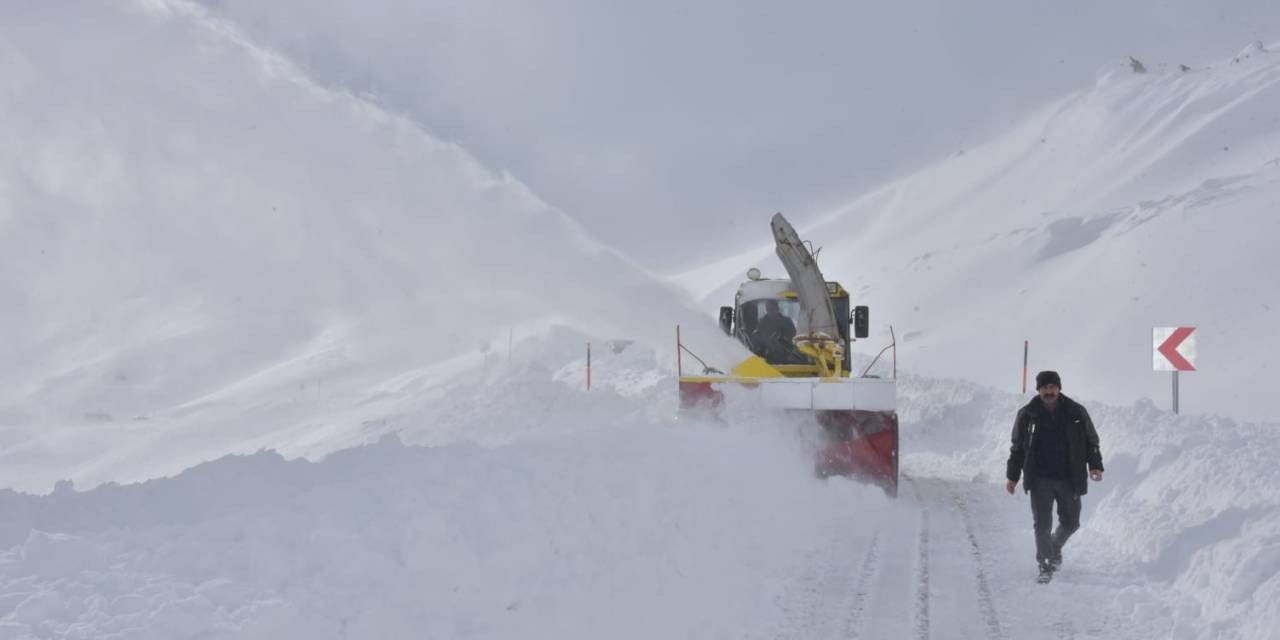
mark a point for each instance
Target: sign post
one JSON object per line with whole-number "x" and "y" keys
{"x": 1174, "y": 349}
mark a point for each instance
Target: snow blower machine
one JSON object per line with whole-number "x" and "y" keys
{"x": 799, "y": 331}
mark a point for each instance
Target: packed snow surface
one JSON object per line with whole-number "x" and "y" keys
{"x": 279, "y": 364}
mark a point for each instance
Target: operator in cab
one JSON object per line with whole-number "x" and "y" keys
{"x": 774, "y": 333}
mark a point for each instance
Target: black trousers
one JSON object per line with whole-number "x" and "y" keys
{"x": 1044, "y": 493}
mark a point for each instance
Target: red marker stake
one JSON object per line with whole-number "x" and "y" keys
{"x": 1025, "y": 346}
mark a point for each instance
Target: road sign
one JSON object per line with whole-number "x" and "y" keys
{"x": 1174, "y": 348}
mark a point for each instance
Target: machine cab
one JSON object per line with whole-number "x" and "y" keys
{"x": 766, "y": 314}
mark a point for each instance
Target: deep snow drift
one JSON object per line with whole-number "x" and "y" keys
{"x": 1149, "y": 201}
{"x": 626, "y": 532}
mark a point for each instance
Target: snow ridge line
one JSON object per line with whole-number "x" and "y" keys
{"x": 870, "y": 565}
{"x": 985, "y": 602}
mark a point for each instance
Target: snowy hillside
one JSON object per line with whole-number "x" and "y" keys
{"x": 202, "y": 252}
{"x": 1148, "y": 201}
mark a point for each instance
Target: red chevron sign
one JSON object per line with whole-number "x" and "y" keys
{"x": 1175, "y": 348}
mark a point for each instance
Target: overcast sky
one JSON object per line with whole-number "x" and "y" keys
{"x": 674, "y": 129}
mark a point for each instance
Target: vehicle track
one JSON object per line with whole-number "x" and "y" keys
{"x": 1066, "y": 629}
{"x": 953, "y": 584}
{"x": 922, "y": 580}
{"x": 922, "y": 560}
{"x": 870, "y": 565}
{"x": 890, "y": 582}
{"x": 985, "y": 602}
{"x": 860, "y": 586}
{"x": 824, "y": 602}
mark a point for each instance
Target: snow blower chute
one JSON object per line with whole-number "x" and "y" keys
{"x": 798, "y": 330}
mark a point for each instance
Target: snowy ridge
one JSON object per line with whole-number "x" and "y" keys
{"x": 1147, "y": 201}
{"x": 203, "y": 252}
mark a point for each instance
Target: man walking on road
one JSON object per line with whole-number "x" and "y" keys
{"x": 1054, "y": 443}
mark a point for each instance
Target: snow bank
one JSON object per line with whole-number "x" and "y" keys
{"x": 204, "y": 252}
{"x": 1148, "y": 201}
{"x": 627, "y": 532}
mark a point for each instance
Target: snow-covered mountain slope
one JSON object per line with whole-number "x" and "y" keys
{"x": 202, "y": 252}
{"x": 1150, "y": 200}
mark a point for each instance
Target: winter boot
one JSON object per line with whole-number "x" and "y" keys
{"x": 1046, "y": 572}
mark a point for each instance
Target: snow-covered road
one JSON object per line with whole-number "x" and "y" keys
{"x": 608, "y": 520}
{"x": 390, "y": 540}
{"x": 632, "y": 533}
{"x": 605, "y": 518}
{"x": 952, "y": 560}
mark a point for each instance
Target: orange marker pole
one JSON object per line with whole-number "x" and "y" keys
{"x": 1025, "y": 347}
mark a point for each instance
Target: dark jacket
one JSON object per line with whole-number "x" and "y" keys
{"x": 1083, "y": 452}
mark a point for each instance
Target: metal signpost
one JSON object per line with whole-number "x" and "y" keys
{"x": 1174, "y": 349}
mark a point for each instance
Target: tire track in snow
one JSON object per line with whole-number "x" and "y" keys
{"x": 1066, "y": 629}
{"x": 870, "y": 566}
{"x": 802, "y": 602}
{"x": 824, "y": 603}
{"x": 886, "y": 607}
{"x": 921, "y": 617}
{"x": 922, "y": 580}
{"x": 985, "y": 602}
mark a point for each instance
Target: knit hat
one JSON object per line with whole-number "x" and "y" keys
{"x": 1048, "y": 377}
